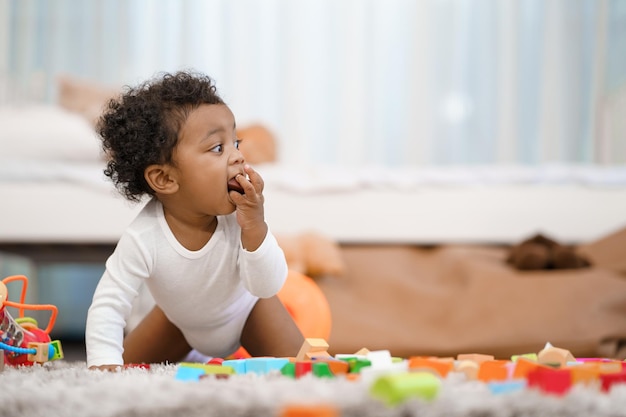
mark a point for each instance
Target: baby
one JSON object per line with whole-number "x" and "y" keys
{"x": 200, "y": 244}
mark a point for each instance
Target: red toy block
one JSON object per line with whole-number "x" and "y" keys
{"x": 303, "y": 368}
{"x": 137, "y": 365}
{"x": 608, "y": 380}
{"x": 553, "y": 381}
{"x": 216, "y": 361}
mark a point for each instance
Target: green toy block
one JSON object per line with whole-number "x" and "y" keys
{"x": 394, "y": 389}
{"x": 321, "y": 369}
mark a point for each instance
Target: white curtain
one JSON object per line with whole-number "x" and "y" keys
{"x": 355, "y": 83}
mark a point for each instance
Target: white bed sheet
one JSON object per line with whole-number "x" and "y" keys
{"x": 73, "y": 203}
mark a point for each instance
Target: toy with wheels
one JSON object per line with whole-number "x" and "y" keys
{"x": 21, "y": 340}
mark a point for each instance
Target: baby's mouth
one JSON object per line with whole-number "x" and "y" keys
{"x": 233, "y": 185}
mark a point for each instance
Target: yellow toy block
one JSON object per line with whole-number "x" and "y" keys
{"x": 554, "y": 356}
{"x": 475, "y": 357}
{"x": 41, "y": 354}
{"x": 312, "y": 347}
{"x": 469, "y": 368}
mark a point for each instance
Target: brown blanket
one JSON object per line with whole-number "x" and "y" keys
{"x": 465, "y": 299}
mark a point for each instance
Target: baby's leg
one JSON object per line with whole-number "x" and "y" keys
{"x": 271, "y": 331}
{"x": 155, "y": 340}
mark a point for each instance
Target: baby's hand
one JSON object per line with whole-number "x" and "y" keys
{"x": 249, "y": 208}
{"x": 110, "y": 368}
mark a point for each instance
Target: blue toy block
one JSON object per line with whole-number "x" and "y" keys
{"x": 263, "y": 366}
{"x": 239, "y": 365}
{"x": 186, "y": 373}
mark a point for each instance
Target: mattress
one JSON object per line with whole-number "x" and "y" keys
{"x": 63, "y": 202}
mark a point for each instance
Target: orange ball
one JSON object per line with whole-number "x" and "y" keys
{"x": 307, "y": 304}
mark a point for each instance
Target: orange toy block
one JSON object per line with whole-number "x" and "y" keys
{"x": 524, "y": 366}
{"x": 309, "y": 411}
{"x": 555, "y": 356}
{"x": 441, "y": 365}
{"x": 585, "y": 373}
{"x": 474, "y": 357}
{"x": 312, "y": 347}
{"x": 336, "y": 366}
{"x": 495, "y": 370}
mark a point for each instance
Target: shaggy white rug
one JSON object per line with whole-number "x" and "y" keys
{"x": 69, "y": 389}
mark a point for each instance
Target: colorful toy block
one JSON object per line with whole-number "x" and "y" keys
{"x": 312, "y": 347}
{"x": 554, "y": 356}
{"x": 393, "y": 389}
{"x": 552, "y": 381}
{"x": 320, "y": 410}
{"x": 262, "y": 366}
{"x": 493, "y": 370}
{"x": 336, "y": 366}
{"x": 238, "y": 365}
{"x": 442, "y": 366}
{"x": 469, "y": 368}
{"x": 474, "y": 357}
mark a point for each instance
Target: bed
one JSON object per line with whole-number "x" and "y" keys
{"x": 424, "y": 248}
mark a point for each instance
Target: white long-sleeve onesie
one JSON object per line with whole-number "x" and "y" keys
{"x": 207, "y": 293}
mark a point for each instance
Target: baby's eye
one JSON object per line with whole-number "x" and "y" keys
{"x": 237, "y": 143}
{"x": 216, "y": 149}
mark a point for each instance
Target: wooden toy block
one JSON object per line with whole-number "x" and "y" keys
{"x": 608, "y": 380}
{"x": 524, "y": 366}
{"x": 552, "y": 381}
{"x": 554, "y": 356}
{"x": 312, "y": 347}
{"x": 469, "y": 368}
{"x": 238, "y": 365}
{"x": 585, "y": 373}
{"x": 442, "y": 366}
{"x": 609, "y": 367}
{"x": 379, "y": 358}
{"x": 321, "y": 370}
{"x": 41, "y": 352}
{"x": 303, "y": 368}
{"x": 475, "y": 357}
{"x": 289, "y": 369}
{"x": 506, "y": 387}
{"x": 362, "y": 352}
{"x": 319, "y": 410}
{"x": 207, "y": 368}
{"x": 395, "y": 388}
{"x": 494, "y": 370}
{"x": 336, "y": 366}
{"x": 262, "y": 366}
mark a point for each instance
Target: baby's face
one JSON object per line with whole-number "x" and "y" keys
{"x": 207, "y": 159}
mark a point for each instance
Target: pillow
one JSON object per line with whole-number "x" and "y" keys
{"x": 84, "y": 97}
{"x": 46, "y": 132}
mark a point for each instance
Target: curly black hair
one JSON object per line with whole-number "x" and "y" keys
{"x": 140, "y": 128}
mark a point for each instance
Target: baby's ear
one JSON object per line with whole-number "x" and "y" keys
{"x": 160, "y": 179}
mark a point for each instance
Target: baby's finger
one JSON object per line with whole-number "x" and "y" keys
{"x": 255, "y": 178}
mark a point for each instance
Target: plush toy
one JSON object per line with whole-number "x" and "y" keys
{"x": 541, "y": 252}
{"x": 312, "y": 254}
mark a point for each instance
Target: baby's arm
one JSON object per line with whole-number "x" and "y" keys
{"x": 111, "y": 306}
